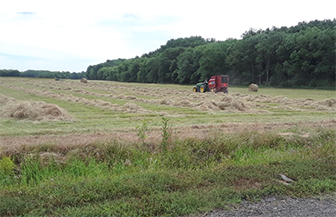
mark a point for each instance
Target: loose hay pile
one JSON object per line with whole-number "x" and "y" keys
{"x": 134, "y": 108}
{"x": 34, "y": 111}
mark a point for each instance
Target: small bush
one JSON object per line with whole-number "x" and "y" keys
{"x": 166, "y": 134}
{"x": 7, "y": 166}
{"x": 141, "y": 131}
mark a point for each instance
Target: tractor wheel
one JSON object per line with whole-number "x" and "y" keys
{"x": 195, "y": 89}
{"x": 202, "y": 89}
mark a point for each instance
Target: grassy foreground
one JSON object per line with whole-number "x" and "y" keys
{"x": 172, "y": 178}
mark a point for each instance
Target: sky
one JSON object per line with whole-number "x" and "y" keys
{"x": 70, "y": 35}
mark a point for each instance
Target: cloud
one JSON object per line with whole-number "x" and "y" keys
{"x": 93, "y": 31}
{"x": 26, "y": 13}
{"x": 21, "y": 57}
{"x": 130, "y": 16}
{"x": 22, "y": 63}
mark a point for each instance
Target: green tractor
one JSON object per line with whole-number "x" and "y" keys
{"x": 217, "y": 83}
{"x": 201, "y": 87}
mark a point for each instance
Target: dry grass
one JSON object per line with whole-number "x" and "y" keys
{"x": 214, "y": 137}
{"x": 34, "y": 111}
{"x": 253, "y": 88}
{"x": 208, "y": 102}
{"x": 15, "y": 145}
{"x": 130, "y": 104}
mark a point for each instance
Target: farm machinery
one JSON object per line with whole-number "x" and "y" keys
{"x": 217, "y": 83}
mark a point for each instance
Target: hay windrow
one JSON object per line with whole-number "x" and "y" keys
{"x": 133, "y": 108}
{"x": 233, "y": 102}
{"x": 4, "y": 100}
{"x": 329, "y": 103}
{"x": 34, "y": 111}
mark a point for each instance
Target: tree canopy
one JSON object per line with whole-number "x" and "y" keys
{"x": 302, "y": 55}
{"x": 41, "y": 74}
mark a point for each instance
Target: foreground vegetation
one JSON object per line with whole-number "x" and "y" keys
{"x": 172, "y": 178}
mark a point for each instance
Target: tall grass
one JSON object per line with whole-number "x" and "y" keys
{"x": 192, "y": 176}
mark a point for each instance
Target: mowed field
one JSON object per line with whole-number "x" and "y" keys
{"x": 103, "y": 109}
{"x": 125, "y": 149}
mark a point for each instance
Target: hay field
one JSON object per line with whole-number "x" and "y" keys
{"x": 68, "y": 112}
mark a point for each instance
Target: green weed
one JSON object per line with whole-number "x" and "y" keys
{"x": 7, "y": 166}
{"x": 7, "y": 171}
{"x": 141, "y": 131}
{"x": 166, "y": 134}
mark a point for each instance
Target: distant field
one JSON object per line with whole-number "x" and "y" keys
{"x": 110, "y": 107}
{"x": 126, "y": 149}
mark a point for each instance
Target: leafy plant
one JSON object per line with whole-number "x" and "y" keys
{"x": 166, "y": 134}
{"x": 7, "y": 166}
{"x": 114, "y": 179}
{"x": 141, "y": 131}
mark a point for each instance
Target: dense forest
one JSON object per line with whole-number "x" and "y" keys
{"x": 301, "y": 55}
{"x": 41, "y": 74}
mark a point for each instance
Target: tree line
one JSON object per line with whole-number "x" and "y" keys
{"x": 41, "y": 74}
{"x": 301, "y": 55}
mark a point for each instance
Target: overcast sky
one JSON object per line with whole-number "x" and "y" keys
{"x": 71, "y": 35}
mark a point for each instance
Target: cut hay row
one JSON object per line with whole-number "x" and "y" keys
{"x": 128, "y": 107}
{"x": 174, "y": 98}
{"x": 6, "y": 100}
{"x": 204, "y": 102}
{"x": 34, "y": 111}
{"x": 170, "y": 94}
{"x": 190, "y": 100}
{"x": 114, "y": 89}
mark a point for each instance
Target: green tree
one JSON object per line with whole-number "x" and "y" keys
{"x": 185, "y": 66}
